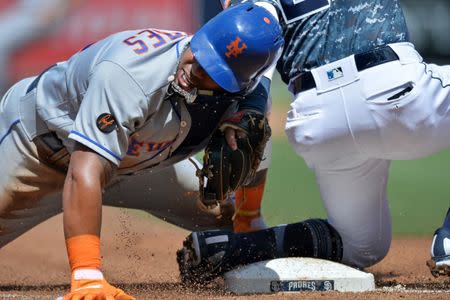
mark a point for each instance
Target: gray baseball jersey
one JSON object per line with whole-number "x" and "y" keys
{"x": 110, "y": 98}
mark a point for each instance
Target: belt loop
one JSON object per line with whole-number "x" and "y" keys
{"x": 406, "y": 53}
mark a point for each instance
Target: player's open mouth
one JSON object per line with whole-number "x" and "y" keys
{"x": 184, "y": 81}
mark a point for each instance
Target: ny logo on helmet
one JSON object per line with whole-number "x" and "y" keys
{"x": 234, "y": 48}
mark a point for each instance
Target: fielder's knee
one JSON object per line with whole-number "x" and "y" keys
{"x": 365, "y": 255}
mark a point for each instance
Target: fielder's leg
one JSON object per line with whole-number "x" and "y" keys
{"x": 352, "y": 185}
{"x": 361, "y": 214}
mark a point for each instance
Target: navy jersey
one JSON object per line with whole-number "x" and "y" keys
{"x": 345, "y": 28}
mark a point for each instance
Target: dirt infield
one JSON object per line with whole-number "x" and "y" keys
{"x": 139, "y": 255}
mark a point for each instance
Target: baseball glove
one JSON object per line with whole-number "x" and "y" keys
{"x": 224, "y": 170}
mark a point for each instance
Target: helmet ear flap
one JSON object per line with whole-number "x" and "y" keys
{"x": 238, "y": 45}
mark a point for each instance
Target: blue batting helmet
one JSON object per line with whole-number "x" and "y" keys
{"x": 238, "y": 45}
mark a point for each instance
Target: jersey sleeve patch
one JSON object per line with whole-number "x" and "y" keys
{"x": 106, "y": 123}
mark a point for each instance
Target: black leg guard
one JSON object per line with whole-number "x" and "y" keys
{"x": 312, "y": 238}
{"x": 208, "y": 254}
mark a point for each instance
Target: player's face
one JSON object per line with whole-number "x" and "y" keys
{"x": 191, "y": 75}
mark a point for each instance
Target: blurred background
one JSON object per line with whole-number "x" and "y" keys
{"x": 35, "y": 34}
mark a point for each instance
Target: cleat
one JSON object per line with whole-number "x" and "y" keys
{"x": 436, "y": 270}
{"x": 439, "y": 264}
{"x": 203, "y": 257}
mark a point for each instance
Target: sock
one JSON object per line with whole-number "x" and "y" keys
{"x": 248, "y": 201}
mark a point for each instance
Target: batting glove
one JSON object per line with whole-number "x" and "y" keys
{"x": 89, "y": 284}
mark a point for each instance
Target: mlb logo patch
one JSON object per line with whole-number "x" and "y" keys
{"x": 335, "y": 73}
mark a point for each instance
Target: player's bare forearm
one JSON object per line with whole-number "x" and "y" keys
{"x": 82, "y": 195}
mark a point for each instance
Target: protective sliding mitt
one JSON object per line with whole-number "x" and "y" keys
{"x": 89, "y": 284}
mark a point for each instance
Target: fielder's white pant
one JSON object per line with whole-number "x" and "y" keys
{"x": 348, "y": 131}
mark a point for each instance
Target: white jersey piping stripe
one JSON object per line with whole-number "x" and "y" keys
{"x": 9, "y": 131}
{"x": 178, "y": 50}
{"x": 96, "y": 144}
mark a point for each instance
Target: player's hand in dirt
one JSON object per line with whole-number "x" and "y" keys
{"x": 89, "y": 284}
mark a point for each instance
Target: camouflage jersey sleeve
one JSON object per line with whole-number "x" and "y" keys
{"x": 345, "y": 28}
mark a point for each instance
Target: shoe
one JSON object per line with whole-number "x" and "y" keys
{"x": 439, "y": 263}
{"x": 204, "y": 256}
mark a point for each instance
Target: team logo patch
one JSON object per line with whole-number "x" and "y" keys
{"x": 235, "y": 48}
{"x": 106, "y": 123}
{"x": 335, "y": 73}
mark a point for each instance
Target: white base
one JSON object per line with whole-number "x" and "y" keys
{"x": 295, "y": 274}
